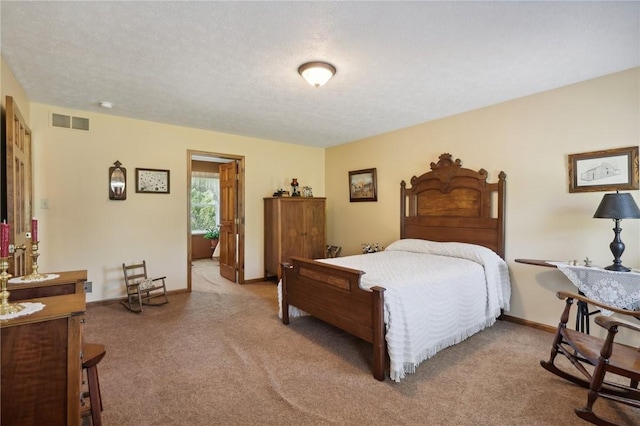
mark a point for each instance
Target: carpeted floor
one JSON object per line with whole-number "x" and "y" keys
{"x": 221, "y": 356}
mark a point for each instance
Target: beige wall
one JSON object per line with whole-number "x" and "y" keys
{"x": 9, "y": 86}
{"x": 83, "y": 229}
{"x": 529, "y": 139}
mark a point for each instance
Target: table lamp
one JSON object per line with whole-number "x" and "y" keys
{"x": 617, "y": 206}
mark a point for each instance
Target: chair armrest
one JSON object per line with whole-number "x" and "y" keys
{"x": 564, "y": 295}
{"x": 158, "y": 279}
{"x": 609, "y": 323}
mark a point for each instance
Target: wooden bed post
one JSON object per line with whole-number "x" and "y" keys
{"x": 403, "y": 207}
{"x": 501, "y": 212}
{"x": 285, "y": 304}
{"x": 379, "y": 343}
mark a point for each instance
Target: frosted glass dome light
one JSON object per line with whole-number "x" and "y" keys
{"x": 317, "y": 73}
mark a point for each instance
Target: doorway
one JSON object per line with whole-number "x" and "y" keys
{"x": 229, "y": 216}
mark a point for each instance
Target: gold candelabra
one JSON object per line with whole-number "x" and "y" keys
{"x": 34, "y": 275}
{"x": 5, "y": 306}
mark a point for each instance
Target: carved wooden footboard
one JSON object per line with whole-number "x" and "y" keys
{"x": 333, "y": 294}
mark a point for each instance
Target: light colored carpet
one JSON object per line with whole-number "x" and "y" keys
{"x": 221, "y": 356}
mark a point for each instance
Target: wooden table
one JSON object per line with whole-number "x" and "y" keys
{"x": 582, "y": 314}
{"x": 41, "y": 363}
{"x": 538, "y": 262}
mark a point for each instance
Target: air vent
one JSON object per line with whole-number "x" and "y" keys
{"x": 59, "y": 120}
{"x": 69, "y": 122}
{"x": 80, "y": 123}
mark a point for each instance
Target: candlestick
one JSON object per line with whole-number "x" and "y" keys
{"x": 4, "y": 239}
{"x": 34, "y": 230}
{"x": 34, "y": 275}
{"x": 5, "y": 306}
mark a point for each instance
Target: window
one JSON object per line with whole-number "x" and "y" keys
{"x": 205, "y": 201}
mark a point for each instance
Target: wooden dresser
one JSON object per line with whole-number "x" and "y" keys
{"x": 69, "y": 282}
{"x": 41, "y": 354}
{"x": 293, "y": 226}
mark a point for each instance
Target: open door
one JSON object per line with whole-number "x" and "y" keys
{"x": 228, "y": 225}
{"x": 19, "y": 186}
{"x": 230, "y": 213}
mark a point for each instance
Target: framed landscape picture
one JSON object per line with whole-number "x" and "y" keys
{"x": 362, "y": 185}
{"x": 152, "y": 181}
{"x": 608, "y": 170}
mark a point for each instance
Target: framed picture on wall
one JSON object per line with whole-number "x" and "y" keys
{"x": 608, "y": 170}
{"x": 363, "y": 185}
{"x": 154, "y": 181}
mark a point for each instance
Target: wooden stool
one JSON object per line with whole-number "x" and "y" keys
{"x": 92, "y": 354}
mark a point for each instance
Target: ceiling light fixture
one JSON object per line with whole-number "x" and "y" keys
{"x": 317, "y": 73}
{"x": 106, "y": 104}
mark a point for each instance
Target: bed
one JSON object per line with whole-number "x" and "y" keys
{"x": 444, "y": 280}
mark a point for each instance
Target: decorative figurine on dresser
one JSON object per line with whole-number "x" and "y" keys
{"x": 294, "y": 188}
{"x": 293, "y": 226}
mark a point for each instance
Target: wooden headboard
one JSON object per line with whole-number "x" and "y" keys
{"x": 451, "y": 203}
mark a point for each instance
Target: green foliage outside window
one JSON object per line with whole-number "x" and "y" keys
{"x": 204, "y": 202}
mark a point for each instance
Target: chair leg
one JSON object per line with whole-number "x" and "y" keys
{"x": 557, "y": 341}
{"x": 95, "y": 399}
{"x": 149, "y": 297}
{"x": 586, "y": 412}
{"x": 130, "y": 302}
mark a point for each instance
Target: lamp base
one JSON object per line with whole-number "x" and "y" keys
{"x": 617, "y": 268}
{"x": 617, "y": 248}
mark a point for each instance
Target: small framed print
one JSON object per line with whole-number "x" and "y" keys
{"x": 154, "y": 181}
{"x": 608, "y": 170}
{"x": 362, "y": 185}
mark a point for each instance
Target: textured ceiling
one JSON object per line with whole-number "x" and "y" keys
{"x": 232, "y": 66}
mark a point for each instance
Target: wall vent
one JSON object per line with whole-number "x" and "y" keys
{"x": 69, "y": 122}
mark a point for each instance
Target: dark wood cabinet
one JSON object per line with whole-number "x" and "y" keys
{"x": 293, "y": 226}
{"x": 41, "y": 355}
{"x": 41, "y": 363}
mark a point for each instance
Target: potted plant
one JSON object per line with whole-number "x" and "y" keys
{"x": 213, "y": 234}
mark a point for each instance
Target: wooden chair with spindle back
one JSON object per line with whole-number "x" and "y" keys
{"x": 597, "y": 359}
{"x": 141, "y": 289}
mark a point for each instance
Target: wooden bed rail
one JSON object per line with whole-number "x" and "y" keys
{"x": 333, "y": 294}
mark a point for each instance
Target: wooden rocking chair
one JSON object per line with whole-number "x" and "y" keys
{"x": 594, "y": 357}
{"x": 141, "y": 289}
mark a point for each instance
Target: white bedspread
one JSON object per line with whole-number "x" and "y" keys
{"x": 437, "y": 294}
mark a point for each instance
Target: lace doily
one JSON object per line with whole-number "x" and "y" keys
{"x": 619, "y": 289}
{"x": 25, "y": 279}
{"x": 28, "y": 309}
